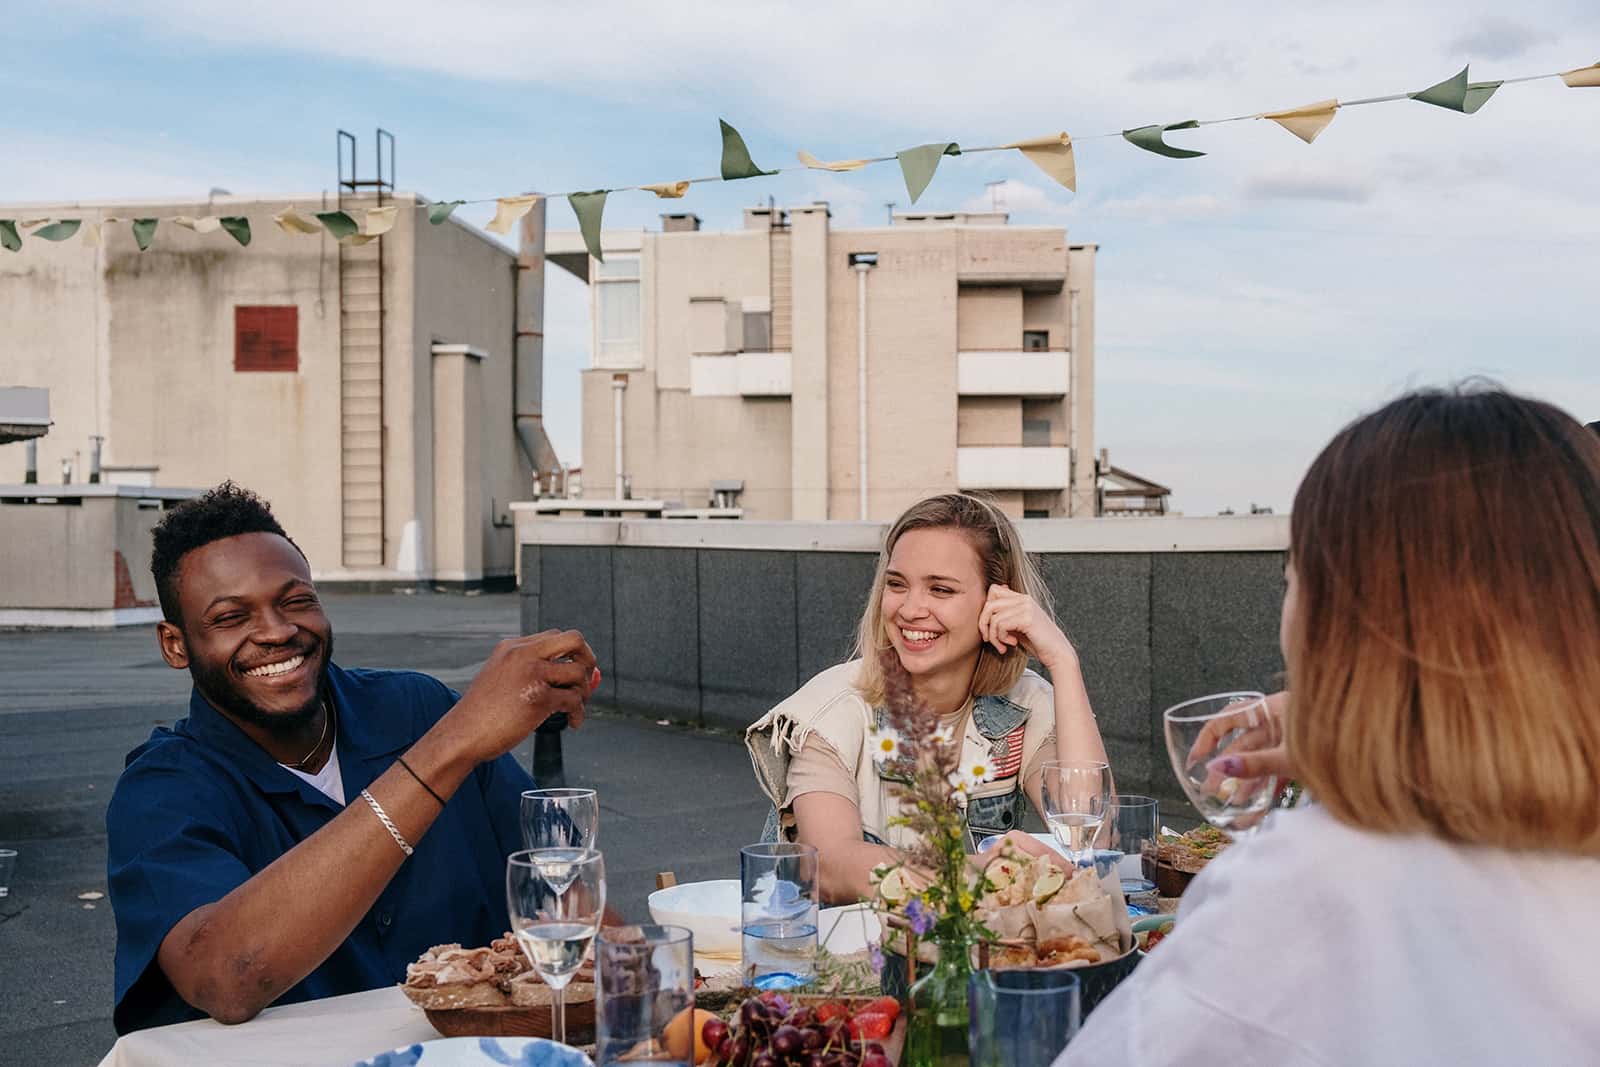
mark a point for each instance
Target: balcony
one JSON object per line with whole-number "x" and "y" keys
{"x": 1009, "y": 467}
{"x": 749, "y": 374}
{"x": 1001, "y": 372}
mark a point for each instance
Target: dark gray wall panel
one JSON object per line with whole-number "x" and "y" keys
{"x": 748, "y": 641}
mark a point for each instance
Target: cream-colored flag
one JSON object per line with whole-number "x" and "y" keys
{"x": 33, "y": 224}
{"x": 836, "y": 166}
{"x": 204, "y": 224}
{"x": 381, "y": 220}
{"x": 1583, "y": 78}
{"x": 508, "y": 209}
{"x": 667, "y": 190}
{"x": 291, "y": 221}
{"x": 1304, "y": 122}
{"x": 91, "y": 232}
{"x": 1053, "y": 155}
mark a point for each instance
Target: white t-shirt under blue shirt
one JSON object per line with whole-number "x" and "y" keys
{"x": 328, "y": 780}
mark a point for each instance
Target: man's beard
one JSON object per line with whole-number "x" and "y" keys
{"x": 218, "y": 687}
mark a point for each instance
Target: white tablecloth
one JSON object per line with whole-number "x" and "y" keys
{"x": 334, "y": 1032}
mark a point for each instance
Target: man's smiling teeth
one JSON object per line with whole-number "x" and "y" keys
{"x": 270, "y": 669}
{"x": 919, "y": 636}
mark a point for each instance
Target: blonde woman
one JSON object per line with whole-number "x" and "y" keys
{"x": 1442, "y": 633}
{"x": 962, "y": 606}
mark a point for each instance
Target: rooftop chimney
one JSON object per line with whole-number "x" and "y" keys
{"x": 680, "y": 222}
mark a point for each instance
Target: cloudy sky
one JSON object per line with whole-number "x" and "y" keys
{"x": 1250, "y": 302}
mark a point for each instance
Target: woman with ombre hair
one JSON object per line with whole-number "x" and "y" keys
{"x": 1441, "y": 629}
{"x": 962, "y": 607}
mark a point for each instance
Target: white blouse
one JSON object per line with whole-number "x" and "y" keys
{"x": 1317, "y": 943}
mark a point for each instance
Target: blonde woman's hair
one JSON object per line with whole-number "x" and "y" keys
{"x": 1444, "y": 651}
{"x": 1001, "y": 560}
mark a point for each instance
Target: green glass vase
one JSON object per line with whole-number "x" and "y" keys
{"x": 936, "y": 1035}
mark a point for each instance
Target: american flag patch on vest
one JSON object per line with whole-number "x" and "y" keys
{"x": 1007, "y": 754}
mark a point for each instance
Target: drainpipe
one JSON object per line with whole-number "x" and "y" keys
{"x": 862, "y": 262}
{"x": 529, "y": 365}
{"x": 619, "y": 386}
{"x": 30, "y": 469}
{"x": 95, "y": 441}
{"x": 1072, "y": 407}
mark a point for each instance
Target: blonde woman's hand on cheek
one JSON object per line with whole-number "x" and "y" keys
{"x": 1010, "y": 619}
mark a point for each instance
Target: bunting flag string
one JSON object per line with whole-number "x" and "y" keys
{"x": 1052, "y": 153}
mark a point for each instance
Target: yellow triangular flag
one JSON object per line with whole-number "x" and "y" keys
{"x": 291, "y": 221}
{"x": 667, "y": 190}
{"x": 31, "y": 224}
{"x": 380, "y": 220}
{"x": 508, "y": 209}
{"x": 1583, "y": 78}
{"x": 1304, "y": 122}
{"x": 836, "y": 166}
{"x": 1053, "y": 155}
{"x": 204, "y": 224}
{"x": 91, "y": 232}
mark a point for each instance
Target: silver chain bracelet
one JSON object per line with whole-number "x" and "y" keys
{"x": 388, "y": 823}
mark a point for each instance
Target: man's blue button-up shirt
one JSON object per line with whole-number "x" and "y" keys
{"x": 200, "y": 808}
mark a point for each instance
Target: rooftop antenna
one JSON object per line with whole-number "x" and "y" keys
{"x": 890, "y": 206}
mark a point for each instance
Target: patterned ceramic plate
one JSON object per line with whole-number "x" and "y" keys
{"x": 479, "y": 1051}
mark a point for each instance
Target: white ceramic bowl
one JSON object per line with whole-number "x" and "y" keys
{"x": 709, "y": 909}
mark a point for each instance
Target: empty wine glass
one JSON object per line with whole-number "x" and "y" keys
{"x": 1200, "y": 733}
{"x": 556, "y": 898}
{"x": 560, "y": 818}
{"x": 1076, "y": 794}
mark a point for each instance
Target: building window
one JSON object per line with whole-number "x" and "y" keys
{"x": 757, "y": 331}
{"x": 1035, "y": 340}
{"x": 1036, "y": 513}
{"x": 616, "y": 294}
{"x": 266, "y": 338}
{"x": 1036, "y": 433}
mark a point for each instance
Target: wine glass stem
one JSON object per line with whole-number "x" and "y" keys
{"x": 558, "y": 1015}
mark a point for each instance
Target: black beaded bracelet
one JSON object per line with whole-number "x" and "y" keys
{"x": 402, "y": 761}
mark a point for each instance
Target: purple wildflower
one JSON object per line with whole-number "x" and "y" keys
{"x": 875, "y": 957}
{"x": 921, "y": 918}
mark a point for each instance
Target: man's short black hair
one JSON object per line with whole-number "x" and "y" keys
{"x": 225, "y": 511}
{"x": 1595, "y": 426}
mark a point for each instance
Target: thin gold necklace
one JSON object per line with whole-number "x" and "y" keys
{"x": 327, "y": 718}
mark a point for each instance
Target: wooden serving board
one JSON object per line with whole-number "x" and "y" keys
{"x": 512, "y": 1021}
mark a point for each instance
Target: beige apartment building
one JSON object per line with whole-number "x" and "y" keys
{"x": 378, "y": 395}
{"x": 804, "y": 372}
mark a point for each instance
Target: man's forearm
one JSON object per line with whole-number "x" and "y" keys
{"x": 233, "y": 958}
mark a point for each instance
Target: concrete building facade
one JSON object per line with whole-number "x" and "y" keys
{"x": 962, "y": 345}
{"x": 366, "y": 391}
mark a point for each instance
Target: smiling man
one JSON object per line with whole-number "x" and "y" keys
{"x": 307, "y": 830}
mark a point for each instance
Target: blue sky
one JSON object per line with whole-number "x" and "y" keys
{"x": 1249, "y": 302}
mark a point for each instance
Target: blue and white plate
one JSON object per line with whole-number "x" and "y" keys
{"x": 479, "y": 1051}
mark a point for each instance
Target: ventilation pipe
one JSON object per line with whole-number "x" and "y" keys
{"x": 95, "y": 441}
{"x": 529, "y": 364}
{"x": 619, "y": 387}
{"x": 862, "y": 262}
{"x": 30, "y": 468}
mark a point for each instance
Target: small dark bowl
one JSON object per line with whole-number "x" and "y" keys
{"x": 1095, "y": 981}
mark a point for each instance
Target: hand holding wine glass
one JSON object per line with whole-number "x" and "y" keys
{"x": 1223, "y": 749}
{"x": 556, "y": 898}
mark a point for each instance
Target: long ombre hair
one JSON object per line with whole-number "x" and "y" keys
{"x": 1444, "y": 650}
{"x": 1001, "y": 560}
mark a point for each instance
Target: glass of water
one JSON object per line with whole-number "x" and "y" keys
{"x": 560, "y": 818}
{"x": 1134, "y": 821}
{"x": 1076, "y": 796}
{"x": 1202, "y": 731}
{"x": 778, "y": 917}
{"x": 644, "y": 984}
{"x": 1021, "y": 1018}
{"x": 556, "y": 897}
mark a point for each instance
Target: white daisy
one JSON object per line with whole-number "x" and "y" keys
{"x": 884, "y": 744}
{"x": 960, "y": 784}
{"x": 944, "y": 735}
{"x": 978, "y": 772}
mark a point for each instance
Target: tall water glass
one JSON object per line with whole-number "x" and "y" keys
{"x": 560, "y": 818}
{"x": 556, "y": 898}
{"x": 644, "y": 982}
{"x": 1135, "y": 821}
{"x": 1021, "y": 1018}
{"x": 1076, "y": 795}
{"x": 1200, "y": 733}
{"x": 778, "y": 917}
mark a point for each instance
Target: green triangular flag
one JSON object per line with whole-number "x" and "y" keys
{"x": 10, "y": 239}
{"x": 238, "y": 226}
{"x": 58, "y": 231}
{"x": 437, "y": 213}
{"x": 589, "y": 207}
{"x": 144, "y": 231}
{"x": 338, "y": 224}
{"x": 736, "y": 161}
{"x": 1149, "y": 138}
{"x": 1458, "y": 94}
{"x": 918, "y": 164}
